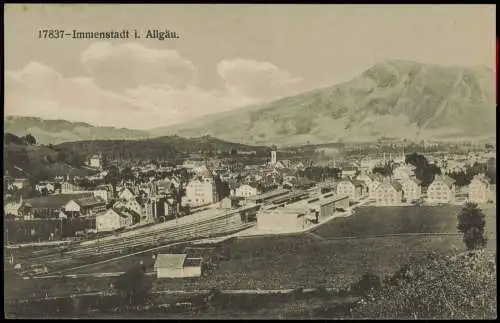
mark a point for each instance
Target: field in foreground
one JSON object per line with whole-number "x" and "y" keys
{"x": 369, "y": 221}
{"x": 306, "y": 260}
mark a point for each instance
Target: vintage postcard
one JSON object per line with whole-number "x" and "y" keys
{"x": 216, "y": 161}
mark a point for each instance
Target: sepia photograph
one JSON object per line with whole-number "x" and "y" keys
{"x": 250, "y": 161}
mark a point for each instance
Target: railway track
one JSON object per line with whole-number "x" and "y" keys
{"x": 54, "y": 260}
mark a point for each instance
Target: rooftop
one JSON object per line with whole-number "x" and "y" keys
{"x": 172, "y": 261}
{"x": 271, "y": 194}
{"x": 328, "y": 200}
{"x": 192, "y": 262}
{"x": 54, "y": 201}
{"x": 289, "y": 196}
{"x": 89, "y": 201}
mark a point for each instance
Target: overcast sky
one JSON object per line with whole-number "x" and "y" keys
{"x": 227, "y": 56}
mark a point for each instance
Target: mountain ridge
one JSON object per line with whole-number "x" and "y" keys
{"x": 392, "y": 99}
{"x": 55, "y": 131}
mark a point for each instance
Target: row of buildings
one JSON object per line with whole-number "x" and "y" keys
{"x": 389, "y": 190}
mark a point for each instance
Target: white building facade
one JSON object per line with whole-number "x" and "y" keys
{"x": 412, "y": 190}
{"x": 201, "y": 191}
{"x": 441, "y": 190}
{"x": 479, "y": 190}
{"x": 245, "y": 190}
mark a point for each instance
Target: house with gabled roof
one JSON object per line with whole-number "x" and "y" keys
{"x": 349, "y": 171}
{"x": 412, "y": 189}
{"x": 246, "y": 190}
{"x": 48, "y": 206}
{"x": 131, "y": 204}
{"x": 375, "y": 180}
{"x": 85, "y": 206}
{"x": 478, "y": 190}
{"x": 352, "y": 188}
{"x": 126, "y": 194}
{"x": 389, "y": 193}
{"x": 404, "y": 171}
{"x": 441, "y": 190}
{"x": 166, "y": 186}
{"x": 113, "y": 219}
{"x": 365, "y": 177}
{"x": 200, "y": 191}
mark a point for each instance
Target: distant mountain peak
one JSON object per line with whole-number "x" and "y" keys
{"x": 392, "y": 99}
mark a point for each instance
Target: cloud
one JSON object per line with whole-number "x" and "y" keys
{"x": 38, "y": 90}
{"x": 126, "y": 66}
{"x": 137, "y": 87}
{"x": 257, "y": 79}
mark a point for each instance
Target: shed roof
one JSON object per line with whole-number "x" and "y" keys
{"x": 89, "y": 201}
{"x": 172, "y": 261}
{"x": 289, "y": 196}
{"x": 271, "y": 194}
{"x": 54, "y": 201}
{"x": 192, "y": 262}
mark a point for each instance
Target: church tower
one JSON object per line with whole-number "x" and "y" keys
{"x": 273, "y": 155}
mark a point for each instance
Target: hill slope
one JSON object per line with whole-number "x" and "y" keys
{"x": 158, "y": 148}
{"x": 394, "y": 99}
{"x": 38, "y": 162}
{"x": 57, "y": 131}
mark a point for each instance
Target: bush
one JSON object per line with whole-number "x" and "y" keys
{"x": 367, "y": 283}
{"x": 463, "y": 287}
{"x": 471, "y": 222}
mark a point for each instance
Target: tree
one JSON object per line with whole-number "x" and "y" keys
{"x": 29, "y": 140}
{"x": 461, "y": 178}
{"x": 367, "y": 283}
{"x": 127, "y": 174}
{"x": 113, "y": 177}
{"x": 385, "y": 170}
{"x": 134, "y": 285}
{"x": 222, "y": 188}
{"x": 471, "y": 222}
{"x": 424, "y": 171}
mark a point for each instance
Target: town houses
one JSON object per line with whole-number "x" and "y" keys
{"x": 84, "y": 206}
{"x": 390, "y": 192}
{"x": 412, "y": 189}
{"x": 245, "y": 190}
{"x": 114, "y": 219}
{"x": 95, "y": 161}
{"x": 201, "y": 191}
{"x": 154, "y": 192}
{"x": 479, "y": 188}
{"x": 441, "y": 190}
{"x": 352, "y": 188}
{"x": 404, "y": 171}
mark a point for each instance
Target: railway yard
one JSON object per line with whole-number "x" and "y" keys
{"x": 208, "y": 223}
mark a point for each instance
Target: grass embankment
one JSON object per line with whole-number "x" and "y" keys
{"x": 305, "y": 261}
{"x": 371, "y": 221}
